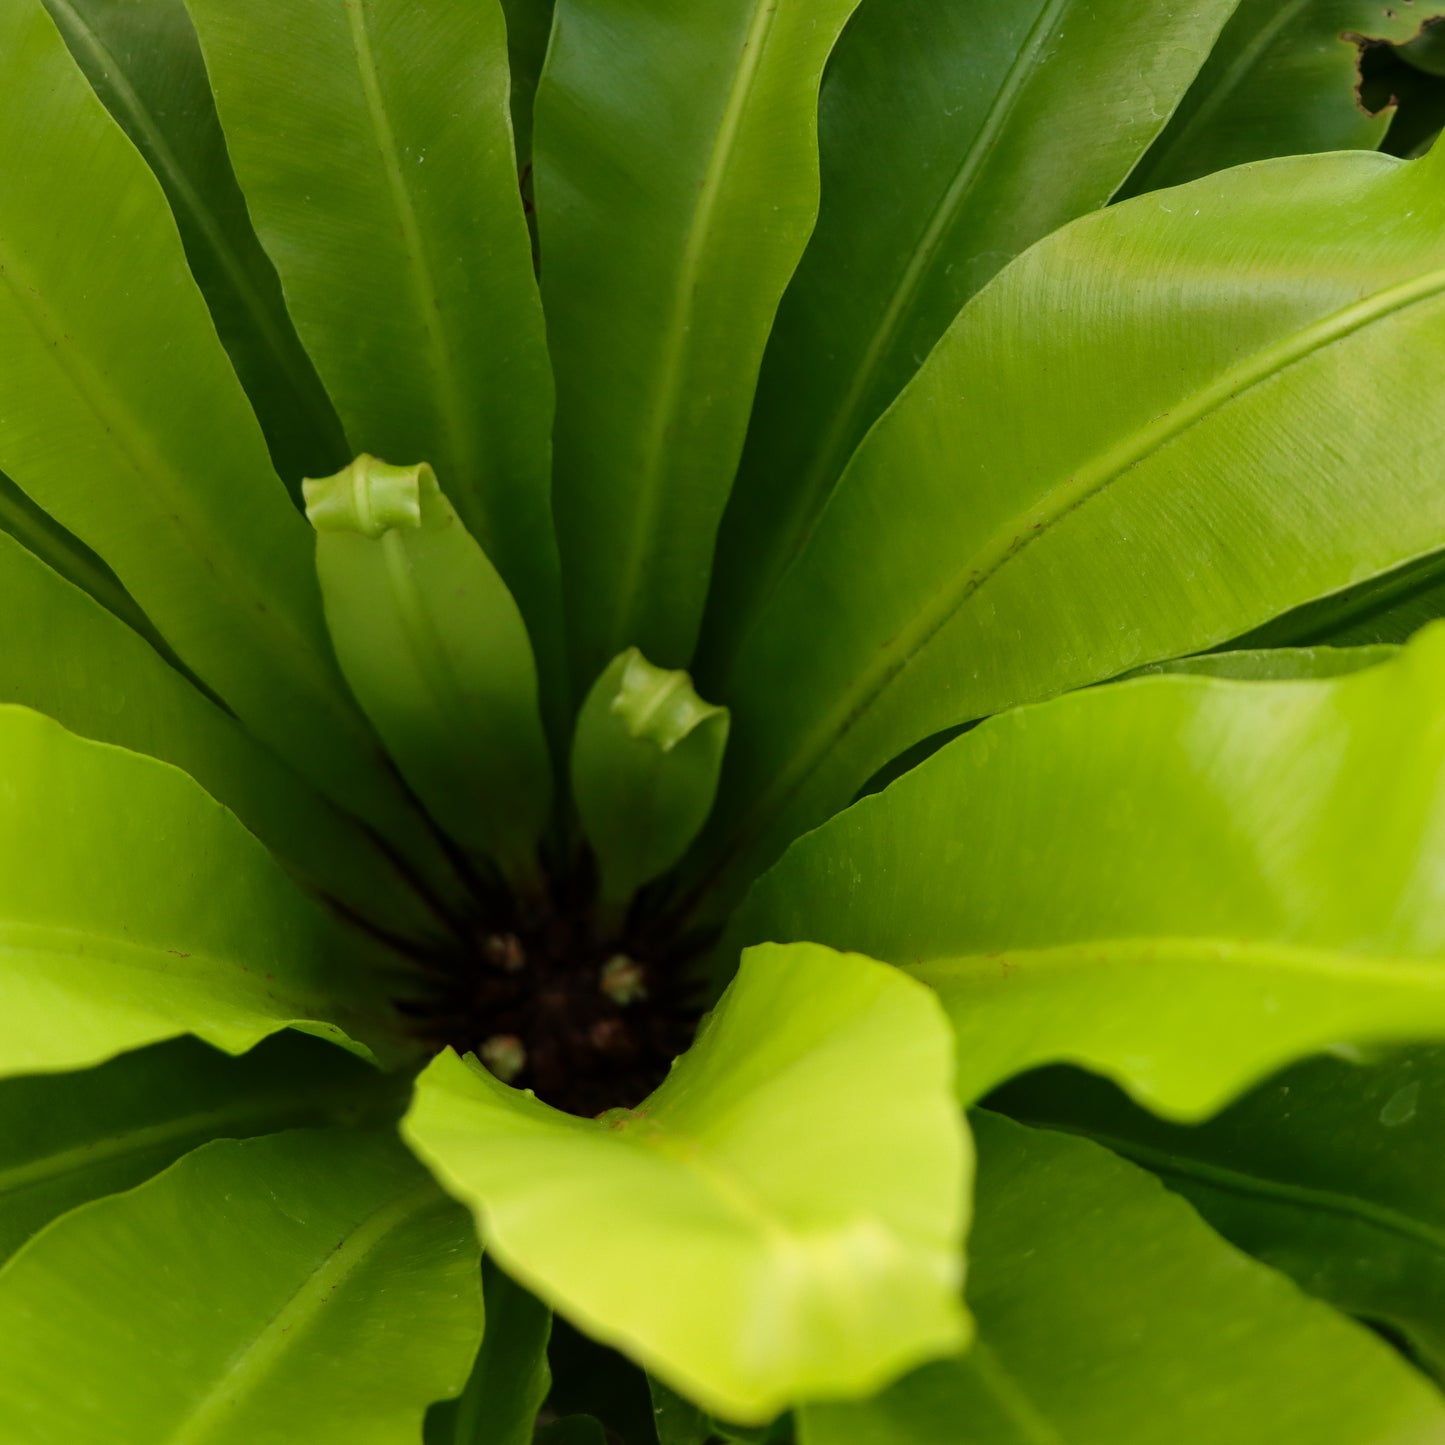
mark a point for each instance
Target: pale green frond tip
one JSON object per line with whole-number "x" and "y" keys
{"x": 659, "y": 705}
{"x": 370, "y": 496}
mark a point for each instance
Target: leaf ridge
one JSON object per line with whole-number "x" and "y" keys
{"x": 1242, "y": 1182}
{"x": 1092, "y": 479}
{"x": 423, "y": 282}
{"x": 685, "y": 292}
{"x": 202, "y": 216}
{"x": 246, "y": 1369}
{"x": 1011, "y": 1398}
{"x": 944, "y": 216}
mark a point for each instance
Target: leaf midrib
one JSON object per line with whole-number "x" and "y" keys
{"x": 945, "y": 215}
{"x": 1010, "y": 1395}
{"x": 1246, "y": 1183}
{"x": 467, "y": 451}
{"x": 203, "y": 1124}
{"x": 189, "y": 199}
{"x": 670, "y": 367}
{"x": 894, "y": 656}
{"x": 246, "y": 1369}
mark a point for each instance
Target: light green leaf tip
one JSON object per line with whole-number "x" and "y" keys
{"x": 645, "y": 763}
{"x": 437, "y": 653}
{"x": 781, "y": 1220}
{"x": 369, "y": 496}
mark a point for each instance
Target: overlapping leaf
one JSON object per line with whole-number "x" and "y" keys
{"x": 1158, "y": 428}
{"x": 310, "y": 1286}
{"x": 952, "y": 136}
{"x": 68, "y": 1139}
{"x": 373, "y": 144}
{"x": 1108, "y": 1314}
{"x": 145, "y": 64}
{"x": 1180, "y": 882}
{"x": 67, "y": 657}
{"x": 121, "y": 416}
{"x": 792, "y": 1195}
{"x": 1283, "y": 80}
{"x": 677, "y": 181}
{"x": 134, "y": 908}
{"x": 1330, "y": 1172}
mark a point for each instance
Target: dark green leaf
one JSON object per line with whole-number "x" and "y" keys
{"x": 70, "y": 1138}
{"x": 1333, "y": 1172}
{"x": 1180, "y": 882}
{"x": 373, "y": 144}
{"x": 529, "y": 28}
{"x": 1283, "y": 80}
{"x": 1108, "y": 1314}
{"x": 1275, "y": 664}
{"x": 510, "y": 1378}
{"x": 144, "y": 63}
{"x": 121, "y": 416}
{"x": 802, "y": 1166}
{"x": 313, "y": 1286}
{"x": 953, "y": 135}
{"x": 1089, "y": 475}
{"x": 677, "y": 181}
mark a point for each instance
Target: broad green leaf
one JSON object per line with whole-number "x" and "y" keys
{"x": 134, "y": 908}
{"x": 677, "y": 181}
{"x": 1090, "y": 474}
{"x": 1332, "y": 1172}
{"x": 953, "y": 135}
{"x": 66, "y": 1139}
{"x": 145, "y": 65}
{"x": 312, "y": 1286}
{"x": 120, "y": 415}
{"x": 1108, "y": 1314}
{"x": 67, "y": 657}
{"x": 373, "y": 143}
{"x": 781, "y": 1219}
{"x": 437, "y": 654}
{"x": 510, "y": 1378}
{"x": 646, "y": 756}
{"x": 1283, "y": 80}
{"x": 1180, "y": 882}
{"x": 1276, "y": 664}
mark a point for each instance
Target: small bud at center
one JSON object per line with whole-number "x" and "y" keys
{"x": 504, "y": 1055}
{"x": 623, "y": 980}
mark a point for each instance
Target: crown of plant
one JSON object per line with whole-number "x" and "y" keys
{"x": 703, "y": 724}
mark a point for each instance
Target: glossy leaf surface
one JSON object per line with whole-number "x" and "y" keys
{"x": 134, "y": 908}
{"x": 145, "y": 65}
{"x": 1069, "y": 490}
{"x": 67, "y": 657}
{"x": 1331, "y": 1172}
{"x": 373, "y": 144}
{"x": 1108, "y": 1314}
{"x": 331, "y": 1299}
{"x": 677, "y": 181}
{"x": 71, "y": 1138}
{"x": 437, "y": 654}
{"x": 795, "y": 1188}
{"x": 1283, "y": 80}
{"x": 952, "y": 136}
{"x": 121, "y": 416}
{"x": 646, "y": 756}
{"x": 1180, "y": 882}
{"x": 1276, "y": 664}
{"x": 510, "y": 1378}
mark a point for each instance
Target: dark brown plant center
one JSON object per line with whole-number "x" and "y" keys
{"x": 588, "y": 1018}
